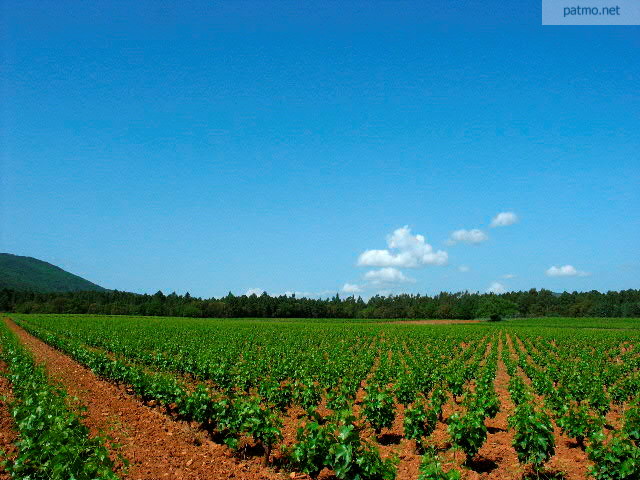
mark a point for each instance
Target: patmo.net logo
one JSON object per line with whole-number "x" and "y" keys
{"x": 568, "y": 11}
{"x": 595, "y": 12}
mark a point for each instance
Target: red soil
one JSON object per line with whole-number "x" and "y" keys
{"x": 156, "y": 446}
{"x": 159, "y": 447}
{"x": 569, "y": 458}
{"x": 497, "y": 455}
{"x": 7, "y": 427}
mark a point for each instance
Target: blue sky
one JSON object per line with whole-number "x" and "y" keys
{"x": 230, "y": 146}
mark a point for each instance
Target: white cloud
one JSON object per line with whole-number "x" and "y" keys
{"x": 386, "y": 275}
{"x": 464, "y": 268}
{"x": 508, "y": 275}
{"x": 496, "y": 287}
{"x": 351, "y": 288}
{"x": 409, "y": 251}
{"x": 504, "y": 219}
{"x": 254, "y": 291}
{"x": 384, "y": 258}
{"x": 474, "y": 236}
{"x": 565, "y": 271}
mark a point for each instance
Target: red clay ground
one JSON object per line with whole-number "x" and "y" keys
{"x": 7, "y": 428}
{"x": 497, "y": 454}
{"x": 155, "y": 446}
{"x": 158, "y": 447}
{"x": 569, "y": 458}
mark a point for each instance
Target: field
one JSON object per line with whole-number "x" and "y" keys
{"x": 206, "y": 398}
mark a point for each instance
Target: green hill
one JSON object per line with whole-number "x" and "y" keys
{"x": 26, "y": 273}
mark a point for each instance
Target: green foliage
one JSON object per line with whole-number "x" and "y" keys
{"x": 558, "y": 401}
{"x": 236, "y": 417}
{"x": 456, "y": 381}
{"x": 578, "y": 423}
{"x": 620, "y": 393}
{"x": 338, "y": 399}
{"x": 438, "y": 399}
{"x": 431, "y": 469}
{"x": 198, "y": 405}
{"x": 485, "y": 402}
{"x": 468, "y": 432}
{"x": 419, "y": 421}
{"x": 250, "y": 418}
{"x": 632, "y": 423}
{"x": 378, "y": 407}
{"x": 254, "y": 369}
{"x": 338, "y": 446}
{"x": 619, "y": 459}
{"x": 53, "y": 443}
{"x": 496, "y": 308}
{"x": 14, "y": 298}
{"x": 310, "y": 453}
{"x": 517, "y": 390}
{"x": 307, "y": 395}
{"x": 405, "y": 389}
{"x": 279, "y": 395}
{"x": 533, "y": 438}
{"x": 599, "y": 400}
{"x": 350, "y": 458}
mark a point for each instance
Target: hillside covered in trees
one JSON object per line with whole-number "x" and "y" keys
{"x": 532, "y": 303}
{"x": 27, "y": 273}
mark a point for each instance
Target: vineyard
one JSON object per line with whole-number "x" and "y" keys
{"x": 554, "y": 398}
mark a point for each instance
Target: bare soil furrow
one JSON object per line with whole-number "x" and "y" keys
{"x": 498, "y": 457}
{"x": 155, "y": 446}
{"x": 8, "y": 434}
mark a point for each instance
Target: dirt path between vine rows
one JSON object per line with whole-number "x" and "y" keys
{"x": 569, "y": 458}
{"x": 155, "y": 446}
{"x": 8, "y": 434}
{"x": 159, "y": 447}
{"x": 497, "y": 456}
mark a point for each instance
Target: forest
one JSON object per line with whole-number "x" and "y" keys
{"x": 462, "y": 305}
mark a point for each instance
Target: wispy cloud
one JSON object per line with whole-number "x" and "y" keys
{"x": 464, "y": 268}
{"x": 565, "y": 271}
{"x": 504, "y": 219}
{"x": 496, "y": 287}
{"x": 387, "y": 275}
{"x": 473, "y": 237}
{"x": 351, "y": 288}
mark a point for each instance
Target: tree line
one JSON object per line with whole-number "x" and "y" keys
{"x": 462, "y": 305}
